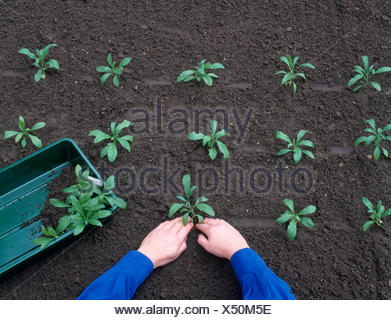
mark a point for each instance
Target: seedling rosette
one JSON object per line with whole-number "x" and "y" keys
{"x": 39, "y": 61}
{"x": 200, "y": 73}
{"x": 110, "y": 150}
{"x": 116, "y": 71}
{"x": 212, "y": 140}
{"x": 295, "y": 218}
{"x": 377, "y": 214}
{"x": 377, "y": 137}
{"x": 296, "y": 145}
{"x": 188, "y": 208}
{"x": 364, "y": 75}
{"x": 25, "y": 133}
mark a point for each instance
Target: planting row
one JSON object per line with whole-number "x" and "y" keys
{"x": 363, "y": 75}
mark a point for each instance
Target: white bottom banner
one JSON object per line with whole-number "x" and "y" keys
{"x": 194, "y": 309}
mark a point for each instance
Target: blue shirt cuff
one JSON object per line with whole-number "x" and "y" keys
{"x": 247, "y": 260}
{"x": 138, "y": 264}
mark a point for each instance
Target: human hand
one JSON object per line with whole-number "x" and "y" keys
{"x": 222, "y": 239}
{"x": 166, "y": 242}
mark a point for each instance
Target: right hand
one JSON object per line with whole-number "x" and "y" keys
{"x": 222, "y": 239}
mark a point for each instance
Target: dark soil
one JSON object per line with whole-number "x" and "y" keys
{"x": 334, "y": 260}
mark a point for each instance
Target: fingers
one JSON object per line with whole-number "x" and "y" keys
{"x": 184, "y": 230}
{"x": 203, "y": 241}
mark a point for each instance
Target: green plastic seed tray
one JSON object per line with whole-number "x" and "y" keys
{"x": 23, "y": 193}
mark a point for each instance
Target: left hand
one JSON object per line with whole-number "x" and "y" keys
{"x": 166, "y": 242}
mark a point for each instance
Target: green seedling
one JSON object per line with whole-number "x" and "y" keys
{"x": 377, "y": 214}
{"x": 39, "y": 61}
{"x": 86, "y": 203}
{"x": 376, "y": 137}
{"x": 188, "y": 208}
{"x": 364, "y": 75}
{"x": 290, "y": 76}
{"x": 296, "y": 146}
{"x": 110, "y": 150}
{"x": 200, "y": 73}
{"x": 113, "y": 70}
{"x": 295, "y": 218}
{"x": 212, "y": 140}
{"x": 25, "y": 133}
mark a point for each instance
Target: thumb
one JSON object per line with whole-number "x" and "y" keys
{"x": 203, "y": 241}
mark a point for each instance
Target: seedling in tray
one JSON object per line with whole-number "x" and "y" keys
{"x": 290, "y": 76}
{"x": 296, "y": 146}
{"x": 364, "y": 75}
{"x": 377, "y": 214}
{"x": 111, "y": 149}
{"x": 376, "y": 137}
{"x": 200, "y": 73}
{"x": 212, "y": 140}
{"x": 295, "y": 218}
{"x": 112, "y": 70}
{"x": 39, "y": 61}
{"x": 85, "y": 204}
{"x": 187, "y": 207}
{"x": 25, "y": 133}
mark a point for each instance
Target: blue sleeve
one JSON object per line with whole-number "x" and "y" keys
{"x": 258, "y": 282}
{"x": 121, "y": 281}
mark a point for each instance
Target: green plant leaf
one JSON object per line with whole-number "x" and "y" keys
{"x": 99, "y": 135}
{"x": 283, "y": 151}
{"x": 367, "y": 203}
{"x": 125, "y": 61}
{"x": 116, "y": 81}
{"x": 375, "y": 85}
{"x": 223, "y": 149}
{"x": 181, "y": 198}
{"x": 353, "y": 80}
{"x": 297, "y": 153}
{"x": 120, "y": 203}
{"x": 284, "y": 217}
{"x": 309, "y": 154}
{"x": 307, "y": 210}
{"x": 9, "y": 134}
{"x": 38, "y": 125}
{"x": 103, "y": 69}
{"x": 383, "y": 69}
{"x": 367, "y": 225}
{"x": 53, "y": 64}
{"x": 307, "y": 222}
{"x": 286, "y": 78}
{"x": 306, "y": 143}
{"x": 43, "y": 242}
{"x": 36, "y": 141}
{"x": 38, "y": 75}
{"x": 292, "y": 229}
{"x": 27, "y": 52}
{"x": 365, "y": 62}
{"x": 64, "y": 223}
{"x": 208, "y": 80}
{"x": 112, "y": 151}
{"x": 214, "y": 66}
{"x": 24, "y": 142}
{"x": 109, "y": 184}
{"x": 124, "y": 124}
{"x": 196, "y": 136}
{"x": 174, "y": 208}
{"x": 308, "y": 65}
{"x": 301, "y": 134}
{"x": 110, "y": 60}
{"x": 58, "y": 204}
{"x": 78, "y": 229}
{"x": 289, "y": 204}
{"x": 283, "y": 136}
{"x": 376, "y": 153}
{"x": 124, "y": 143}
{"x": 186, "y": 185}
{"x": 22, "y": 124}
{"x": 212, "y": 153}
{"x": 104, "y": 77}
{"x": 184, "y": 75}
{"x": 206, "y": 208}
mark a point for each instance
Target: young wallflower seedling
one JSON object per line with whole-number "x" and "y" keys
{"x": 377, "y": 214}
{"x": 187, "y": 207}
{"x": 39, "y": 61}
{"x": 26, "y": 133}
{"x": 296, "y": 146}
{"x": 212, "y": 140}
{"x": 113, "y": 70}
{"x": 295, "y": 218}
{"x": 376, "y": 137}
{"x": 111, "y": 149}
{"x": 200, "y": 73}
{"x": 85, "y": 204}
{"x": 290, "y": 76}
{"x": 364, "y": 75}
